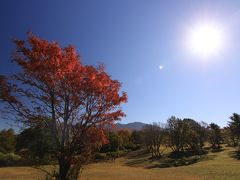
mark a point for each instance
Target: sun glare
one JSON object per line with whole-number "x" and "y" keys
{"x": 205, "y": 40}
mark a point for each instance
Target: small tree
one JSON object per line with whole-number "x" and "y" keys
{"x": 153, "y": 138}
{"x": 203, "y": 133}
{"x": 75, "y": 102}
{"x": 137, "y": 137}
{"x": 114, "y": 143}
{"x": 234, "y": 129}
{"x": 215, "y": 136}
{"x": 195, "y": 134}
{"x": 176, "y": 133}
{"x": 7, "y": 141}
{"x": 186, "y": 134}
{"x": 124, "y": 135}
{"x": 228, "y": 137}
{"x": 38, "y": 142}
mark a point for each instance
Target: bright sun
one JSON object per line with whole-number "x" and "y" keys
{"x": 205, "y": 40}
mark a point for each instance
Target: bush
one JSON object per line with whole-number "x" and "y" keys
{"x": 112, "y": 155}
{"x": 121, "y": 153}
{"x": 9, "y": 159}
{"x": 115, "y": 155}
{"x": 7, "y": 141}
{"x": 132, "y": 147}
{"x": 100, "y": 156}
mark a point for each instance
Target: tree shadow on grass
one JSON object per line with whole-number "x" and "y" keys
{"x": 142, "y": 153}
{"x": 234, "y": 154}
{"x": 138, "y": 158}
{"x": 217, "y": 150}
{"x": 176, "y": 155}
{"x": 171, "y": 160}
{"x": 183, "y": 161}
{"x": 214, "y": 150}
{"x": 166, "y": 163}
{"x": 137, "y": 162}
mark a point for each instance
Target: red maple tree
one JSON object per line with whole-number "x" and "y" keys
{"x": 74, "y": 101}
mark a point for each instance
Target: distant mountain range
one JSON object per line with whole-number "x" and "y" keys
{"x": 131, "y": 126}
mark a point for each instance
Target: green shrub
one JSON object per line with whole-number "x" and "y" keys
{"x": 2, "y": 156}
{"x": 132, "y": 147}
{"x": 13, "y": 157}
{"x": 9, "y": 159}
{"x": 114, "y": 155}
{"x": 100, "y": 156}
{"x": 121, "y": 153}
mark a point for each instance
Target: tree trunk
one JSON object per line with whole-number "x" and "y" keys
{"x": 64, "y": 167}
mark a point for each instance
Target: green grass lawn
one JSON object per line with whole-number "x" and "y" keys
{"x": 138, "y": 166}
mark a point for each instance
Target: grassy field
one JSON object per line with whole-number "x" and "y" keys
{"x": 138, "y": 166}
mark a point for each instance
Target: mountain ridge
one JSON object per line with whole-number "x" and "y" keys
{"x": 132, "y": 126}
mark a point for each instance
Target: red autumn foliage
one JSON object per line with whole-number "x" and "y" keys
{"x": 54, "y": 88}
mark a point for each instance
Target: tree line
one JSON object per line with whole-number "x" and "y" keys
{"x": 35, "y": 144}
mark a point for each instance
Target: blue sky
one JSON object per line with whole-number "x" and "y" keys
{"x": 133, "y": 38}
